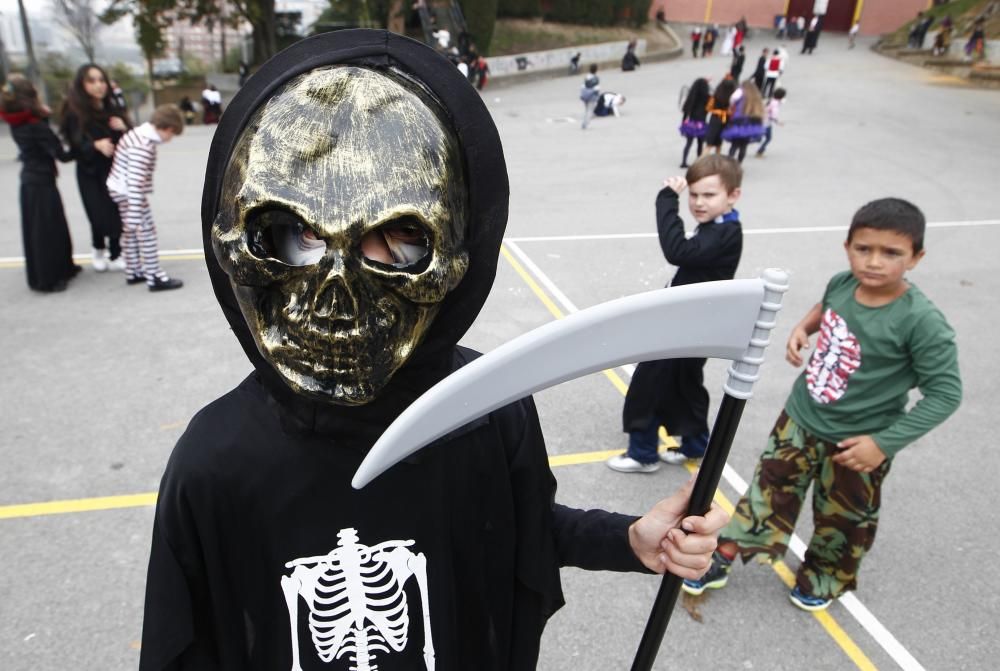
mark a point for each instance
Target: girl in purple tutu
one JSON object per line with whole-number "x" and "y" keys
{"x": 746, "y": 120}
{"x": 718, "y": 114}
{"x": 693, "y": 123}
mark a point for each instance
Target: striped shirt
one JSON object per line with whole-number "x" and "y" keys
{"x": 135, "y": 157}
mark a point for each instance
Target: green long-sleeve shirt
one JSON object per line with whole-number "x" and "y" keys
{"x": 866, "y": 359}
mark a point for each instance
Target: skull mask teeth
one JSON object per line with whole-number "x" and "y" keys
{"x": 341, "y": 227}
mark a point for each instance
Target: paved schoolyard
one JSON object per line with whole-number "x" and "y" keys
{"x": 100, "y": 381}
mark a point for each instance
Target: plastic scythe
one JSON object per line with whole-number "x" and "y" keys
{"x": 724, "y": 320}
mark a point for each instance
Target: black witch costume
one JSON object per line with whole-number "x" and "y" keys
{"x": 263, "y": 556}
{"x": 48, "y": 249}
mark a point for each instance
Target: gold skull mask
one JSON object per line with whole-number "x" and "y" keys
{"x": 341, "y": 227}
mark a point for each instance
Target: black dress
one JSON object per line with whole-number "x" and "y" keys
{"x": 92, "y": 169}
{"x": 672, "y": 390}
{"x": 48, "y": 250}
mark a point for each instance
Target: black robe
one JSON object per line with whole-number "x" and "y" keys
{"x": 48, "y": 249}
{"x": 249, "y": 489}
{"x": 671, "y": 391}
{"x": 258, "y": 487}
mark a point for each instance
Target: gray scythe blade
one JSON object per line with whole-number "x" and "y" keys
{"x": 713, "y": 319}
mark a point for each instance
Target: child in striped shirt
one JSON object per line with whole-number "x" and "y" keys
{"x": 129, "y": 183}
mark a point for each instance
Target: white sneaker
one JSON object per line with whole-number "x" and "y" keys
{"x": 673, "y": 457}
{"x": 99, "y": 260}
{"x": 117, "y": 265}
{"x": 626, "y": 464}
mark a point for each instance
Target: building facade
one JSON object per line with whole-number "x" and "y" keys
{"x": 876, "y": 16}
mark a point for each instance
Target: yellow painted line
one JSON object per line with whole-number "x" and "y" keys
{"x": 830, "y": 625}
{"x": 708, "y": 11}
{"x": 857, "y": 11}
{"x": 99, "y": 503}
{"x": 615, "y": 379}
{"x": 557, "y": 460}
{"x": 77, "y": 505}
{"x": 532, "y": 284}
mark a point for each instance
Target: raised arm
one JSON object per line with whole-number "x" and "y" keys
{"x": 700, "y": 250}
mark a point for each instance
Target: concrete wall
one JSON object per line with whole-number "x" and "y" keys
{"x": 877, "y": 16}
{"x": 558, "y": 59}
{"x": 758, "y": 13}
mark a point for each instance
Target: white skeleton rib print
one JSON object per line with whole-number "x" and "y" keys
{"x": 837, "y": 356}
{"x": 357, "y": 605}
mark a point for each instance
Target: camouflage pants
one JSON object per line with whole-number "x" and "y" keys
{"x": 845, "y": 509}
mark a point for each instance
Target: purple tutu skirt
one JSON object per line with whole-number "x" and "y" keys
{"x": 751, "y": 130}
{"x": 693, "y": 129}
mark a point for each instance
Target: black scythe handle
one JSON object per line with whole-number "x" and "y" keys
{"x": 723, "y": 432}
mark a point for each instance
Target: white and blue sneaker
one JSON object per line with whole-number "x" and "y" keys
{"x": 806, "y": 601}
{"x": 715, "y": 577}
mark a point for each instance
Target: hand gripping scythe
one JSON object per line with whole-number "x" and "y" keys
{"x": 726, "y": 320}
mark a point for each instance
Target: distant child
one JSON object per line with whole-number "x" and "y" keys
{"x": 695, "y": 41}
{"x": 758, "y": 72}
{"x": 976, "y": 46}
{"x": 695, "y": 110}
{"x": 130, "y": 182}
{"x": 772, "y": 116}
{"x": 670, "y": 392}
{"x": 48, "y": 249}
{"x": 746, "y": 120}
{"x": 609, "y": 103}
{"x": 942, "y": 41}
{"x": 718, "y": 114}
{"x": 589, "y": 93}
{"x": 630, "y": 61}
{"x": 846, "y": 417}
{"x": 739, "y": 58}
{"x": 775, "y": 68}
{"x": 709, "y": 40}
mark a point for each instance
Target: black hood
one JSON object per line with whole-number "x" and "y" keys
{"x": 486, "y": 178}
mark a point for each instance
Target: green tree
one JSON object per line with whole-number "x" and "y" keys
{"x": 481, "y": 18}
{"x": 519, "y": 8}
{"x": 259, "y": 14}
{"x": 150, "y": 17}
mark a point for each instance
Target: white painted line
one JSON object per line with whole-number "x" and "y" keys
{"x": 746, "y": 231}
{"x": 851, "y": 603}
{"x": 167, "y": 254}
{"x": 551, "y": 287}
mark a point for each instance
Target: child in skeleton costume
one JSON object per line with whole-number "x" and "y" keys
{"x": 354, "y": 204}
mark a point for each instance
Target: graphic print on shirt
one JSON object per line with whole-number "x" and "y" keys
{"x": 357, "y": 605}
{"x": 837, "y": 356}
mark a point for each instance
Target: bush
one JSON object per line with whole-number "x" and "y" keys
{"x": 480, "y": 18}
{"x": 598, "y": 12}
{"x": 519, "y": 9}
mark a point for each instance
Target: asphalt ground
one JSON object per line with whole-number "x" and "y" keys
{"x": 99, "y": 381}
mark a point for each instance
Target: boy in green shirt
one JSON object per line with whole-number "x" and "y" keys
{"x": 846, "y": 419}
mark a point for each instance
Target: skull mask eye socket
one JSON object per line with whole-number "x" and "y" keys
{"x": 283, "y": 236}
{"x": 403, "y": 244}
